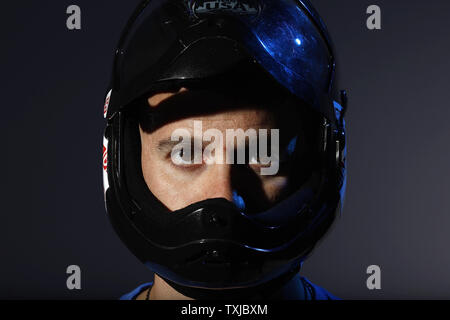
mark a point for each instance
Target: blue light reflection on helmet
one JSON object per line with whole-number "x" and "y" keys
{"x": 293, "y": 50}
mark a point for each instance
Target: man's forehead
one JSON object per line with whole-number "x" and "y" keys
{"x": 216, "y": 108}
{"x": 200, "y": 99}
{"x": 231, "y": 119}
{"x": 157, "y": 98}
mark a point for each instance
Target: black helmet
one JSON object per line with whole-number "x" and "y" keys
{"x": 212, "y": 244}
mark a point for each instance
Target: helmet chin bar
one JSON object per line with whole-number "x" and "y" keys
{"x": 210, "y": 244}
{"x": 264, "y": 290}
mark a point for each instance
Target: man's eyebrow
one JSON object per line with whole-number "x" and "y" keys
{"x": 166, "y": 145}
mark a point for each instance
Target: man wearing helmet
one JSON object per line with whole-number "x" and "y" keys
{"x": 217, "y": 225}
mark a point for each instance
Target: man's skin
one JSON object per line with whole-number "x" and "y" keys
{"x": 178, "y": 186}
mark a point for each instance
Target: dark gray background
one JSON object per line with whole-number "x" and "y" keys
{"x": 397, "y": 211}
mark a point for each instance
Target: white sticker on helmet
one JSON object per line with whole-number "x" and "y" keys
{"x": 105, "y": 107}
{"x": 105, "y": 166}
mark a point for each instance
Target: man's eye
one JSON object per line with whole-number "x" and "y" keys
{"x": 180, "y": 157}
{"x": 256, "y": 160}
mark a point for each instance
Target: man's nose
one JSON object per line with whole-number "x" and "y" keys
{"x": 222, "y": 184}
{"x": 220, "y": 181}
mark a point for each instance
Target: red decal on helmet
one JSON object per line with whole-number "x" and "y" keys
{"x": 105, "y": 108}
{"x": 105, "y": 158}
